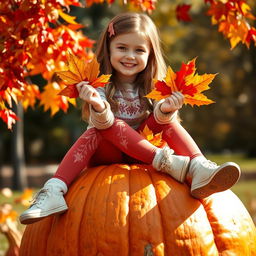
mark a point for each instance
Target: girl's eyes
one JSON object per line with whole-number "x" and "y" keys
{"x": 140, "y": 50}
{"x": 122, "y": 48}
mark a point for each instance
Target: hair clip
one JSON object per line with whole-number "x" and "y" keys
{"x": 111, "y": 30}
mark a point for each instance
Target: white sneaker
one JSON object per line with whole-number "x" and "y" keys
{"x": 49, "y": 200}
{"x": 174, "y": 165}
{"x": 208, "y": 178}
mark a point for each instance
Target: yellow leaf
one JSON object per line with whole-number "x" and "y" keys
{"x": 51, "y": 100}
{"x": 101, "y": 81}
{"x": 201, "y": 82}
{"x": 30, "y": 94}
{"x": 94, "y": 68}
{"x": 76, "y": 66}
{"x": 80, "y": 70}
{"x": 245, "y": 8}
{"x": 147, "y": 133}
{"x": 7, "y": 213}
{"x": 238, "y": 33}
{"x": 153, "y": 139}
{"x": 170, "y": 79}
{"x": 69, "y": 77}
{"x": 198, "y": 99}
{"x": 66, "y": 17}
{"x": 25, "y": 197}
{"x": 156, "y": 95}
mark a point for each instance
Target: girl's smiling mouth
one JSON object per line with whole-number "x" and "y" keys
{"x": 128, "y": 65}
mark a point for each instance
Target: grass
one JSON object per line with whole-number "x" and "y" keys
{"x": 246, "y": 164}
{"x": 246, "y": 191}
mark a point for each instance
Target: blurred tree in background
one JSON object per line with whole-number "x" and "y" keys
{"x": 229, "y": 124}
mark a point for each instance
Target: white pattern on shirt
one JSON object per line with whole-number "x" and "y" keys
{"x": 131, "y": 108}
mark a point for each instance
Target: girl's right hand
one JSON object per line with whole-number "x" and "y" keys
{"x": 90, "y": 95}
{"x": 173, "y": 102}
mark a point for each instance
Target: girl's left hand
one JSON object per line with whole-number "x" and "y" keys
{"x": 173, "y": 102}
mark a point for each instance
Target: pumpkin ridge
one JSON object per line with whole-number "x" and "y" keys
{"x": 165, "y": 249}
{"x": 219, "y": 219}
{"x": 113, "y": 170}
{"x": 129, "y": 215}
{"x": 99, "y": 178}
{"x": 145, "y": 228}
{"x": 99, "y": 169}
{"x": 72, "y": 196}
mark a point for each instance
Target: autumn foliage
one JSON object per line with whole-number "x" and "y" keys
{"x": 33, "y": 41}
{"x": 35, "y": 36}
{"x": 232, "y": 18}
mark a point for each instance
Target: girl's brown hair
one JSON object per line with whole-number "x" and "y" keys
{"x": 156, "y": 68}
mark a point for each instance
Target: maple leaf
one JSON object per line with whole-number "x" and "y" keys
{"x": 182, "y": 12}
{"x": 51, "y": 100}
{"x": 9, "y": 117}
{"x": 30, "y": 94}
{"x": 66, "y": 17}
{"x": 7, "y": 213}
{"x": 186, "y": 81}
{"x": 25, "y": 197}
{"x": 155, "y": 139}
{"x": 79, "y": 70}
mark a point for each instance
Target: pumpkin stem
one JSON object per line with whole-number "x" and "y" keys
{"x": 148, "y": 250}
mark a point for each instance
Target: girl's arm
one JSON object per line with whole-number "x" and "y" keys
{"x": 166, "y": 110}
{"x": 101, "y": 115}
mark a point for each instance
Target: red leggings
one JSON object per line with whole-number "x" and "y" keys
{"x": 120, "y": 143}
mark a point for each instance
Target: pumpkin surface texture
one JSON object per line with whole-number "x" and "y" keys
{"x": 121, "y": 210}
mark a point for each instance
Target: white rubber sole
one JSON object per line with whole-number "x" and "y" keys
{"x": 222, "y": 179}
{"x": 29, "y": 218}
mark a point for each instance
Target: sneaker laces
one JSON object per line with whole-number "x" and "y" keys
{"x": 165, "y": 162}
{"x": 209, "y": 164}
{"x": 167, "y": 152}
{"x": 39, "y": 196}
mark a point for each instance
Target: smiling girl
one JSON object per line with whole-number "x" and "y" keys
{"x": 129, "y": 49}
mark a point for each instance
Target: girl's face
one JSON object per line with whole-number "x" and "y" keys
{"x": 129, "y": 55}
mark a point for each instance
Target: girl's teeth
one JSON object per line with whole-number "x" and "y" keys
{"x": 128, "y": 65}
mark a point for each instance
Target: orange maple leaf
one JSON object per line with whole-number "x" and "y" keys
{"x": 155, "y": 139}
{"x": 79, "y": 70}
{"x": 51, "y": 100}
{"x": 7, "y": 213}
{"x": 25, "y": 197}
{"x": 186, "y": 81}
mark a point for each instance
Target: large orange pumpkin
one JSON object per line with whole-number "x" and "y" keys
{"x": 133, "y": 210}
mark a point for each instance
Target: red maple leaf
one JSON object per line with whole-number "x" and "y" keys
{"x": 191, "y": 85}
{"x": 182, "y": 12}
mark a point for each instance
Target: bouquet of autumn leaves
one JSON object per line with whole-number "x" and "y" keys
{"x": 190, "y": 84}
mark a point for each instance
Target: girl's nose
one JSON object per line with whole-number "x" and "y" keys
{"x": 130, "y": 55}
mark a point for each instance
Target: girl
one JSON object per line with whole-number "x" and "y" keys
{"x": 129, "y": 49}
